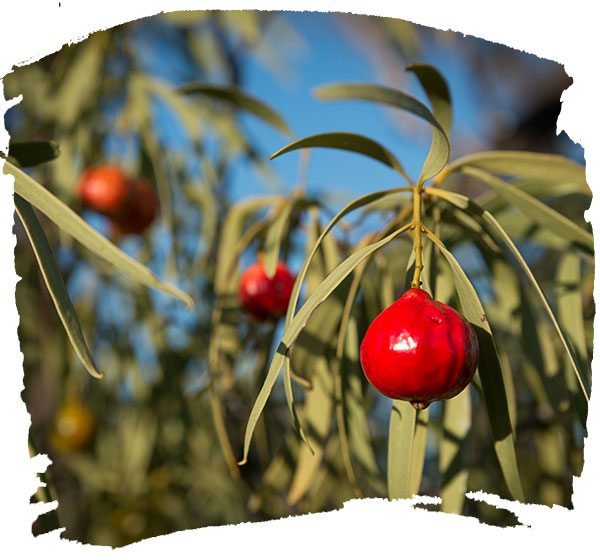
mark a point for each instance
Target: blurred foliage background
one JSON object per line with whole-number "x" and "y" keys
{"x": 161, "y": 433}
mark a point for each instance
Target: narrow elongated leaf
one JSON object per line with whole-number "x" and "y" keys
{"x": 28, "y": 154}
{"x": 437, "y": 92}
{"x": 456, "y": 423}
{"x": 69, "y": 221}
{"x": 417, "y": 459}
{"x": 536, "y": 210}
{"x": 54, "y": 282}
{"x": 292, "y": 331}
{"x": 274, "y": 237}
{"x": 490, "y": 375}
{"x": 349, "y": 142}
{"x": 354, "y": 405}
{"x": 317, "y": 415}
{"x": 240, "y": 100}
{"x": 532, "y": 165}
{"x": 440, "y": 146}
{"x": 355, "y": 204}
{"x": 400, "y": 447}
{"x": 465, "y": 203}
{"x": 570, "y": 312}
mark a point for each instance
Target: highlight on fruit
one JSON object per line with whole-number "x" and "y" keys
{"x": 419, "y": 350}
{"x": 265, "y": 298}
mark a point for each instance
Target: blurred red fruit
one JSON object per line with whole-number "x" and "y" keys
{"x": 140, "y": 208}
{"x": 419, "y": 350}
{"x": 104, "y": 188}
{"x": 262, "y": 297}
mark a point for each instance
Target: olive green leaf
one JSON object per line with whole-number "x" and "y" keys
{"x": 400, "y": 448}
{"x": 474, "y": 210}
{"x": 439, "y": 152}
{"x": 490, "y": 374}
{"x": 437, "y": 92}
{"x": 570, "y": 312}
{"x": 239, "y": 100}
{"x": 536, "y": 210}
{"x": 530, "y": 165}
{"x": 417, "y": 459}
{"x": 291, "y": 332}
{"x": 28, "y": 154}
{"x": 349, "y": 142}
{"x": 317, "y": 416}
{"x": 54, "y": 282}
{"x": 355, "y": 204}
{"x": 456, "y": 424}
{"x": 355, "y": 412}
{"x": 70, "y": 222}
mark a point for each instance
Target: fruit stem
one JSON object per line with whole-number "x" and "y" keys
{"x": 417, "y": 226}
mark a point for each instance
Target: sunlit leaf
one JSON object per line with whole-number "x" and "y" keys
{"x": 490, "y": 375}
{"x": 349, "y": 142}
{"x": 292, "y": 331}
{"x": 400, "y": 447}
{"x": 440, "y": 146}
{"x": 532, "y": 165}
{"x": 417, "y": 459}
{"x": 71, "y": 223}
{"x": 456, "y": 424}
{"x": 317, "y": 415}
{"x": 536, "y": 210}
{"x": 54, "y": 282}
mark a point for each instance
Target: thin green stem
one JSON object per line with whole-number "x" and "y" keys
{"x": 418, "y": 227}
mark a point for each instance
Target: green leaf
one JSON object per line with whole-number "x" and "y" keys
{"x": 456, "y": 424}
{"x": 355, "y": 204}
{"x": 289, "y": 397}
{"x": 70, "y": 222}
{"x": 54, "y": 282}
{"x": 437, "y": 92}
{"x": 468, "y": 205}
{"x": 400, "y": 447}
{"x": 28, "y": 154}
{"x": 347, "y": 141}
{"x": 317, "y": 416}
{"x": 291, "y": 332}
{"x": 536, "y": 210}
{"x": 570, "y": 312}
{"x": 274, "y": 237}
{"x": 440, "y": 146}
{"x": 490, "y": 375}
{"x": 355, "y": 411}
{"x": 239, "y": 100}
{"x": 531, "y": 165}
{"x": 417, "y": 458}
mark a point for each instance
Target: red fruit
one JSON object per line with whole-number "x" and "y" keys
{"x": 264, "y": 297}
{"x": 139, "y": 209}
{"x": 103, "y": 188}
{"x": 419, "y": 350}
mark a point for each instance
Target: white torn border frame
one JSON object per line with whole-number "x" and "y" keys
{"x": 565, "y": 32}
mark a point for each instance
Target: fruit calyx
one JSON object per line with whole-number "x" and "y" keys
{"x": 419, "y": 350}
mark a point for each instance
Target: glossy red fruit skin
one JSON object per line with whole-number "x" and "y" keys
{"x": 262, "y": 297}
{"x": 140, "y": 208}
{"x": 103, "y": 188}
{"x": 419, "y": 350}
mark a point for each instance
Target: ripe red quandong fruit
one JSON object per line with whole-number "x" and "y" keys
{"x": 140, "y": 208}
{"x": 419, "y": 350}
{"x": 103, "y": 188}
{"x": 263, "y": 297}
